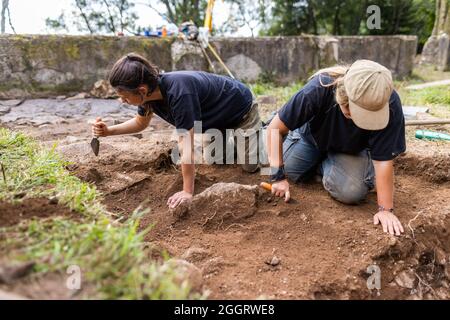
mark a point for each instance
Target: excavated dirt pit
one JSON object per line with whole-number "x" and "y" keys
{"x": 249, "y": 244}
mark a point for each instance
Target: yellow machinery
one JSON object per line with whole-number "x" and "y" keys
{"x": 203, "y": 38}
{"x": 209, "y": 15}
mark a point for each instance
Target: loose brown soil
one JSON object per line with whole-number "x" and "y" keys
{"x": 324, "y": 246}
{"x": 11, "y": 214}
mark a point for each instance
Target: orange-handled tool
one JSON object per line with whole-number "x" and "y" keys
{"x": 266, "y": 186}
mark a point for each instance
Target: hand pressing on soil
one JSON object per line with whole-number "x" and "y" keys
{"x": 389, "y": 222}
{"x": 179, "y": 197}
{"x": 100, "y": 129}
{"x": 281, "y": 189}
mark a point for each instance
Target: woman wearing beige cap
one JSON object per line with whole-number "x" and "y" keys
{"x": 347, "y": 124}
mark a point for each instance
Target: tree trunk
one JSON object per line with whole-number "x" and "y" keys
{"x": 85, "y": 18}
{"x": 442, "y": 20}
{"x": 437, "y": 48}
{"x": 337, "y": 21}
{"x": 5, "y": 4}
{"x": 111, "y": 18}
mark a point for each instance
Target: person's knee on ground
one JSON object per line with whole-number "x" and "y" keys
{"x": 348, "y": 178}
{"x": 250, "y": 168}
{"x": 347, "y": 191}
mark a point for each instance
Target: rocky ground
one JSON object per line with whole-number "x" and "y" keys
{"x": 246, "y": 243}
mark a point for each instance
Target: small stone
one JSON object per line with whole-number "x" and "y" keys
{"x": 194, "y": 254}
{"x": 215, "y": 265}
{"x": 184, "y": 271}
{"x": 181, "y": 210}
{"x": 440, "y": 257}
{"x": 405, "y": 279}
{"x": 53, "y": 200}
{"x": 392, "y": 241}
{"x": 275, "y": 261}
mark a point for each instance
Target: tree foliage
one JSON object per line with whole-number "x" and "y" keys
{"x": 4, "y": 13}
{"x": 179, "y": 11}
{"x": 348, "y": 17}
{"x": 97, "y": 16}
{"x": 268, "y": 17}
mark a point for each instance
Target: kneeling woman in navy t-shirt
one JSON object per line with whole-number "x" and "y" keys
{"x": 347, "y": 125}
{"x": 182, "y": 98}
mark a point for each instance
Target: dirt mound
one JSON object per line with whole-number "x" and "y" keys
{"x": 121, "y": 164}
{"x": 11, "y": 214}
{"x": 433, "y": 168}
{"x": 420, "y": 262}
{"x": 220, "y": 206}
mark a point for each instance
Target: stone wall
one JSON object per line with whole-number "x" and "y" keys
{"x": 437, "y": 52}
{"x": 38, "y": 66}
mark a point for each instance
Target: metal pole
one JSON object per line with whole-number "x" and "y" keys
{"x": 426, "y": 122}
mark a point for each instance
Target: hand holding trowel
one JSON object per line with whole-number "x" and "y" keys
{"x": 98, "y": 129}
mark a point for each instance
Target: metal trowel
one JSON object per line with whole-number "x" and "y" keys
{"x": 95, "y": 145}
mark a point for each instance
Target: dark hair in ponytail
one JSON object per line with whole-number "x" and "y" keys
{"x": 131, "y": 71}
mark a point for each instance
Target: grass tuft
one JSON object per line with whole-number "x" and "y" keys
{"x": 112, "y": 256}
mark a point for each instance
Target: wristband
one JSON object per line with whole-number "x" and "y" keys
{"x": 381, "y": 208}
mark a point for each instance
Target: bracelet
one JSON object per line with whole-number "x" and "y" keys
{"x": 277, "y": 174}
{"x": 381, "y": 208}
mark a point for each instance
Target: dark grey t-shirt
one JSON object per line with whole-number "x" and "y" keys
{"x": 218, "y": 101}
{"x": 332, "y": 131}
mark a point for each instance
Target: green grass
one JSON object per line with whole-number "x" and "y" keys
{"x": 428, "y": 96}
{"x": 283, "y": 94}
{"x": 111, "y": 254}
{"x": 436, "y": 98}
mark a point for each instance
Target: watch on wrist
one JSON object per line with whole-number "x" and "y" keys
{"x": 277, "y": 174}
{"x": 381, "y": 208}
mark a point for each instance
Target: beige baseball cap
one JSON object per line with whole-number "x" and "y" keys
{"x": 369, "y": 87}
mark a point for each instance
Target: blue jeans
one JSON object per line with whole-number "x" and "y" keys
{"x": 348, "y": 178}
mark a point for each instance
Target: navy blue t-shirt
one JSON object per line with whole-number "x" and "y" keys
{"x": 332, "y": 131}
{"x": 218, "y": 101}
